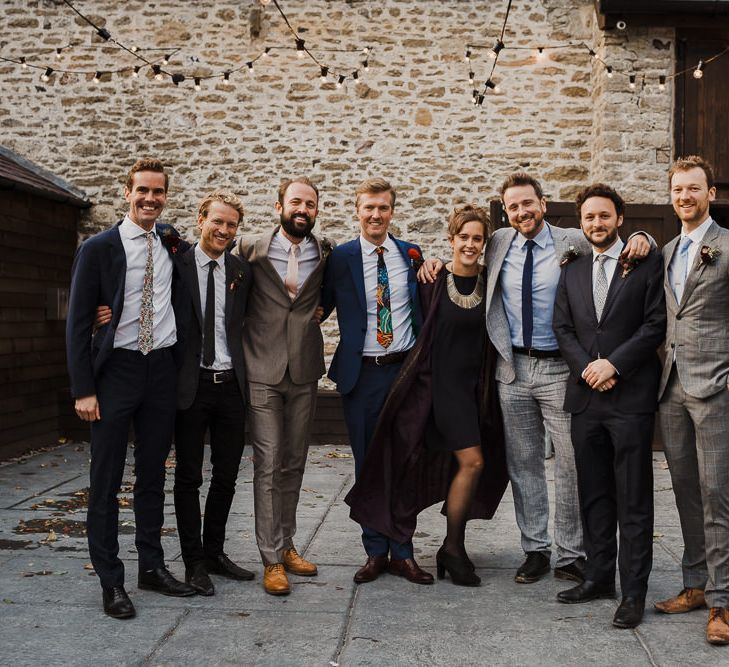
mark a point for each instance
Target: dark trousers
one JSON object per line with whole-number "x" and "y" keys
{"x": 131, "y": 389}
{"x": 362, "y": 408}
{"x": 615, "y": 481}
{"x": 220, "y": 408}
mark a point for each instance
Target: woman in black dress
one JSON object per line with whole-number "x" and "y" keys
{"x": 440, "y": 435}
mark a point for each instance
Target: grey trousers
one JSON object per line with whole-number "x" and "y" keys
{"x": 280, "y": 418}
{"x": 696, "y": 437}
{"x": 534, "y": 400}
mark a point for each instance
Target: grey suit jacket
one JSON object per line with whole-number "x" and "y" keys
{"x": 280, "y": 333}
{"x": 698, "y": 327}
{"x": 496, "y": 322}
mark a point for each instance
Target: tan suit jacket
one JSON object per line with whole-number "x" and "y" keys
{"x": 279, "y": 333}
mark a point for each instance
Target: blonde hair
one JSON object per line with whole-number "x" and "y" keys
{"x": 690, "y": 162}
{"x": 374, "y": 186}
{"x": 224, "y": 197}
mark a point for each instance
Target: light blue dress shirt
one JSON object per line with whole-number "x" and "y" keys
{"x": 544, "y": 289}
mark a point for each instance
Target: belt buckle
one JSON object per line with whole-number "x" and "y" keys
{"x": 529, "y": 353}
{"x": 217, "y": 374}
{"x": 377, "y": 361}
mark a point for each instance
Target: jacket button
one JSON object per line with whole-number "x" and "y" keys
{"x": 599, "y": 331}
{"x": 678, "y": 317}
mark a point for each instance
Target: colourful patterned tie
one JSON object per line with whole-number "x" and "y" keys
{"x": 146, "y": 312}
{"x": 384, "y": 314}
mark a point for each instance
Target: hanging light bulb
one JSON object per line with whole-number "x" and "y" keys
{"x": 266, "y": 51}
{"x": 699, "y": 71}
{"x": 467, "y": 57}
{"x": 226, "y": 76}
{"x": 496, "y": 49}
{"x": 662, "y": 82}
{"x": 471, "y": 76}
{"x": 23, "y": 64}
{"x": 324, "y": 72}
{"x": 157, "y": 72}
{"x": 166, "y": 59}
{"x": 541, "y": 56}
{"x": 134, "y": 49}
{"x": 300, "y": 48}
{"x": 197, "y": 83}
{"x": 355, "y": 75}
{"x": 366, "y": 65}
{"x": 97, "y": 78}
{"x": 490, "y": 84}
{"x": 59, "y": 53}
{"x": 340, "y": 80}
{"x": 366, "y": 50}
{"x": 135, "y": 71}
{"x": 631, "y": 81}
{"x": 46, "y": 76}
{"x": 609, "y": 72}
{"x": 265, "y": 2}
{"x": 249, "y": 65}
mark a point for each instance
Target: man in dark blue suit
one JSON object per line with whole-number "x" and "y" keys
{"x": 371, "y": 282}
{"x": 125, "y": 373}
{"x": 609, "y": 318}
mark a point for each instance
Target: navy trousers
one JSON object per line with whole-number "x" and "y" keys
{"x": 141, "y": 390}
{"x": 362, "y": 408}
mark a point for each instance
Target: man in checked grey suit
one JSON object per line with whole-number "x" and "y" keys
{"x": 694, "y": 394}
{"x": 284, "y": 355}
{"x": 523, "y": 269}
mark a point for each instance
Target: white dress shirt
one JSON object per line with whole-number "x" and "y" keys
{"x": 222, "y": 361}
{"x": 278, "y": 253}
{"x": 164, "y": 331}
{"x": 611, "y": 263}
{"x": 400, "y": 306}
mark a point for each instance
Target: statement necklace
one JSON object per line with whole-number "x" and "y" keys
{"x": 467, "y": 301}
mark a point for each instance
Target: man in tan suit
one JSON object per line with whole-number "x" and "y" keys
{"x": 694, "y": 394}
{"x": 283, "y": 350}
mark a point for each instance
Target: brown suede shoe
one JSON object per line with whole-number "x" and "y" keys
{"x": 298, "y": 565}
{"x": 275, "y": 581}
{"x": 717, "y": 629}
{"x": 687, "y": 600}
{"x": 409, "y": 569}
{"x": 372, "y": 569}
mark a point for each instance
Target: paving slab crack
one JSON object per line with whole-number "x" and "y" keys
{"x": 40, "y": 493}
{"x": 331, "y": 503}
{"x": 344, "y": 634}
{"x": 646, "y": 648}
{"x": 163, "y": 639}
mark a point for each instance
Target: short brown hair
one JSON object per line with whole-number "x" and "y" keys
{"x": 224, "y": 197}
{"x": 600, "y": 190}
{"x": 373, "y": 186}
{"x": 147, "y": 164}
{"x": 468, "y": 213}
{"x": 521, "y": 178}
{"x": 299, "y": 179}
{"x": 689, "y": 162}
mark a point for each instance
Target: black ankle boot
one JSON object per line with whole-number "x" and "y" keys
{"x": 460, "y": 569}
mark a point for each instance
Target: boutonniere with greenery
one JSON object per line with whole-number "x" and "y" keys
{"x": 416, "y": 259}
{"x": 171, "y": 240}
{"x": 628, "y": 265}
{"x": 237, "y": 281}
{"x": 326, "y": 247}
{"x": 569, "y": 255}
{"x": 708, "y": 255}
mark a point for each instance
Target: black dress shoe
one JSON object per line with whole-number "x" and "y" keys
{"x": 117, "y": 603}
{"x": 372, "y": 569}
{"x": 575, "y": 571}
{"x": 410, "y": 570}
{"x": 629, "y": 613}
{"x": 197, "y": 577}
{"x": 161, "y": 581}
{"x": 533, "y": 568}
{"x": 225, "y": 567}
{"x": 589, "y": 590}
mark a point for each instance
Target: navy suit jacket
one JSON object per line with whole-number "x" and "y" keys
{"x": 97, "y": 278}
{"x": 343, "y": 288}
{"x": 631, "y": 327}
{"x": 238, "y": 281}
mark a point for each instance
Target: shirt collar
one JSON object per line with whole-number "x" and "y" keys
{"x": 613, "y": 252}
{"x": 697, "y": 236}
{"x": 203, "y": 260}
{"x": 368, "y": 248}
{"x": 131, "y": 230}
{"x": 286, "y": 244}
{"x": 540, "y": 239}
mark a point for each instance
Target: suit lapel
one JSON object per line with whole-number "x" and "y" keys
{"x": 229, "y": 293}
{"x": 697, "y": 268}
{"x": 670, "y": 251}
{"x": 188, "y": 269}
{"x": 314, "y": 275}
{"x": 616, "y": 284}
{"x": 494, "y": 266}
{"x": 262, "y": 246}
{"x": 560, "y": 240}
{"x": 356, "y": 268}
{"x": 118, "y": 269}
{"x": 584, "y": 285}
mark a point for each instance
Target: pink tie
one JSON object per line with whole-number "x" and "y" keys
{"x": 292, "y": 271}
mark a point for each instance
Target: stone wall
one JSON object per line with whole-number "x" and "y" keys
{"x": 409, "y": 118}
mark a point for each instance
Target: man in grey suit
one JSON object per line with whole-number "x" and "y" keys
{"x": 284, "y": 355}
{"x": 523, "y": 269}
{"x": 694, "y": 394}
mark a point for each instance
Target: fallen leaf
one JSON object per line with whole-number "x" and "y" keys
{"x": 338, "y": 455}
{"x": 88, "y": 566}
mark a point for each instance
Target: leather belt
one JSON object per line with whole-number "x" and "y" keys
{"x": 383, "y": 360}
{"x": 218, "y": 377}
{"x": 537, "y": 354}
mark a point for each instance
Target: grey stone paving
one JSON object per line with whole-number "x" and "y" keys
{"x": 50, "y": 602}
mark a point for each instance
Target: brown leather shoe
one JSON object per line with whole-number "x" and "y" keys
{"x": 717, "y": 629}
{"x": 409, "y": 569}
{"x": 687, "y": 600}
{"x": 275, "y": 581}
{"x": 372, "y": 569}
{"x": 295, "y": 564}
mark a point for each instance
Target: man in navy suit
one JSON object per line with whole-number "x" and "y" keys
{"x": 371, "y": 282}
{"x": 125, "y": 374}
{"x": 609, "y": 318}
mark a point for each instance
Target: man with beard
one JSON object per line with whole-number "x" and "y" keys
{"x": 609, "y": 318}
{"x": 523, "y": 269}
{"x": 694, "y": 394}
{"x": 284, "y": 355}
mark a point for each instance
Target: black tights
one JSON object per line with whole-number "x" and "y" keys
{"x": 460, "y": 495}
